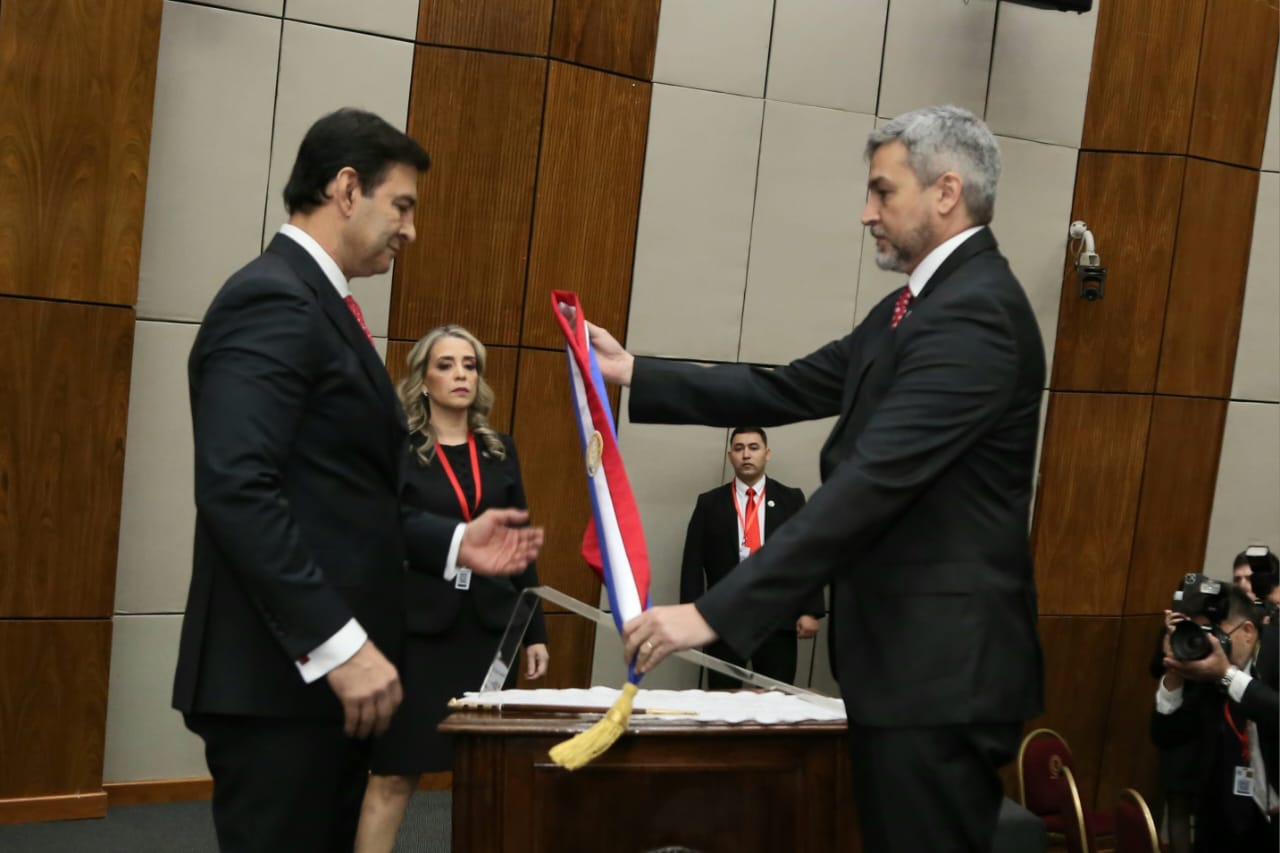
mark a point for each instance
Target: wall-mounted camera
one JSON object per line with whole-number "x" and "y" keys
{"x": 1089, "y": 268}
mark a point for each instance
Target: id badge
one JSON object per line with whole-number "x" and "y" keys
{"x": 1244, "y": 782}
{"x": 462, "y": 580}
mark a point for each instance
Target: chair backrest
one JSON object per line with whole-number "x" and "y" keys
{"x": 1075, "y": 827}
{"x": 1135, "y": 829}
{"x": 1043, "y": 755}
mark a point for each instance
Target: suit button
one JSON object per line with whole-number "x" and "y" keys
{"x": 404, "y": 566}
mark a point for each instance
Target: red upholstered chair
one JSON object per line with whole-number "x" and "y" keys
{"x": 1075, "y": 826}
{"x": 1041, "y": 787}
{"x": 1135, "y": 828}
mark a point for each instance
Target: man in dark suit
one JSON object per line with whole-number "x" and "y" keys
{"x": 921, "y": 521}
{"x": 1235, "y": 727}
{"x": 730, "y": 523}
{"x": 295, "y": 602}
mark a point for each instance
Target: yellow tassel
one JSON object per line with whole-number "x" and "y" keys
{"x": 584, "y": 747}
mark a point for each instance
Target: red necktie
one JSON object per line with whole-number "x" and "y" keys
{"x": 900, "y": 308}
{"x": 355, "y": 309}
{"x": 751, "y": 524}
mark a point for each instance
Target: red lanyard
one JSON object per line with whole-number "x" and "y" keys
{"x": 453, "y": 480}
{"x": 742, "y": 516}
{"x": 1242, "y": 736}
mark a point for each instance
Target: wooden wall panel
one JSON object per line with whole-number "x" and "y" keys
{"x": 53, "y": 705}
{"x": 515, "y": 26}
{"x": 500, "y": 373}
{"x": 1141, "y": 85}
{"x": 64, "y": 396}
{"x": 1079, "y": 662}
{"x": 1178, "y": 482}
{"x": 1090, "y": 476}
{"x": 77, "y": 82}
{"x": 588, "y": 199}
{"x": 1206, "y": 291}
{"x": 554, "y": 478}
{"x": 571, "y": 643}
{"x": 1128, "y": 758}
{"x": 479, "y": 116}
{"x": 616, "y": 35}
{"x": 1233, "y": 87}
{"x": 1131, "y": 205}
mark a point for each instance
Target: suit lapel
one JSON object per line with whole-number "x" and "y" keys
{"x": 772, "y": 514}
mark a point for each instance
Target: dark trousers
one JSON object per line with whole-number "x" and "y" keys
{"x": 283, "y": 785}
{"x": 930, "y": 788}
{"x": 776, "y": 658}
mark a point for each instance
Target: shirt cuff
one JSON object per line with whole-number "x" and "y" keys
{"x": 1239, "y": 685}
{"x": 332, "y": 653}
{"x": 1167, "y": 701}
{"x": 451, "y": 564}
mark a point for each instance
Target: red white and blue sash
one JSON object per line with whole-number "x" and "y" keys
{"x": 614, "y": 542}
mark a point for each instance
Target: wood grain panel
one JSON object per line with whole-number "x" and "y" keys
{"x": 53, "y": 706}
{"x": 571, "y": 643}
{"x": 77, "y": 81}
{"x": 479, "y": 115}
{"x": 500, "y": 373}
{"x": 1178, "y": 482}
{"x": 584, "y": 230}
{"x": 1090, "y": 476}
{"x": 159, "y": 791}
{"x": 515, "y": 26}
{"x": 42, "y": 809}
{"x": 1131, "y": 204}
{"x": 1206, "y": 291}
{"x": 1080, "y": 662}
{"x": 64, "y": 397}
{"x": 1142, "y": 84}
{"x": 1237, "y": 61}
{"x": 554, "y": 479}
{"x": 1129, "y": 759}
{"x": 616, "y": 35}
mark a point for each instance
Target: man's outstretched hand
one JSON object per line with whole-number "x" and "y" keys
{"x": 496, "y": 543}
{"x": 659, "y": 631}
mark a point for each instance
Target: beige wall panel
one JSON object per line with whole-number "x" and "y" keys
{"x": 793, "y": 456}
{"x": 1040, "y": 74}
{"x": 695, "y": 224}
{"x": 1246, "y": 504}
{"x": 1271, "y": 152}
{"x": 827, "y": 53}
{"x": 803, "y": 270}
{"x": 396, "y": 18}
{"x": 874, "y": 283}
{"x": 936, "y": 53}
{"x": 158, "y": 514}
{"x": 1033, "y": 212}
{"x": 146, "y": 738}
{"x": 722, "y": 45}
{"x": 322, "y": 69}
{"x": 261, "y": 7}
{"x": 1257, "y": 372}
{"x": 210, "y": 144}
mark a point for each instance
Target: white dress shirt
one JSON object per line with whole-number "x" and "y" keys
{"x": 343, "y": 645}
{"x": 926, "y": 268}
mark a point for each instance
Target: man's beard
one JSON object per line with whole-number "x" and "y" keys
{"x": 903, "y": 254}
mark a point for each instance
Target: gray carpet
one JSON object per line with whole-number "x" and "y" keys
{"x": 188, "y": 828}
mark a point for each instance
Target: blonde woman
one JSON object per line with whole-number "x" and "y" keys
{"x": 459, "y": 466}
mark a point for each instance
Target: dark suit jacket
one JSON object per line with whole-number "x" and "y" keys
{"x": 432, "y": 602}
{"x": 299, "y": 440}
{"x": 711, "y": 542}
{"x": 921, "y": 521}
{"x": 1200, "y": 718}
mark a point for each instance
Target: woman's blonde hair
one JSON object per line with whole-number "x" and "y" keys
{"x": 418, "y": 409}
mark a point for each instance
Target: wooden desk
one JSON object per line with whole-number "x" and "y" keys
{"x": 713, "y": 788}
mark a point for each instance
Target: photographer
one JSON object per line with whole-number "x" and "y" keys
{"x": 1218, "y": 640}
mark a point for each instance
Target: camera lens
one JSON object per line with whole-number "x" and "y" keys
{"x": 1189, "y": 641}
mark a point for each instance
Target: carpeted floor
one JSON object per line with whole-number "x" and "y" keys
{"x": 188, "y": 828}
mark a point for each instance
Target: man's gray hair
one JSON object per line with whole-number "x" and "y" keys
{"x": 947, "y": 139}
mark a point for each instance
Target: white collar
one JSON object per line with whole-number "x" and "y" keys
{"x": 321, "y": 257}
{"x": 742, "y": 487}
{"x": 926, "y": 268}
